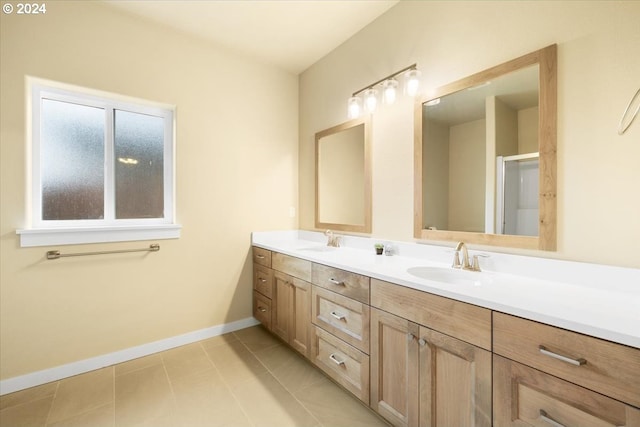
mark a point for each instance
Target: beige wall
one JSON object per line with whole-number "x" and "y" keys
{"x": 231, "y": 179}
{"x": 598, "y": 173}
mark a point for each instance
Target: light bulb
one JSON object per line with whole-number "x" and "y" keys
{"x": 370, "y": 100}
{"x": 390, "y": 90}
{"x": 412, "y": 83}
{"x": 354, "y": 107}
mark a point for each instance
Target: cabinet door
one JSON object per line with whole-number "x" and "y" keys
{"x": 524, "y": 397}
{"x": 455, "y": 382}
{"x": 394, "y": 368}
{"x": 281, "y": 305}
{"x": 300, "y": 318}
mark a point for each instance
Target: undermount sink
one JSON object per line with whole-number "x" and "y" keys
{"x": 451, "y": 276}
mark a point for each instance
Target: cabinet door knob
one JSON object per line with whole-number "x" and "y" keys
{"x": 338, "y": 316}
{"x": 575, "y": 362}
{"x": 545, "y": 417}
{"x": 422, "y": 342}
{"x": 336, "y": 282}
{"x": 410, "y": 337}
{"x": 335, "y": 360}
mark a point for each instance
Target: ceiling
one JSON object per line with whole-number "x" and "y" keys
{"x": 291, "y": 34}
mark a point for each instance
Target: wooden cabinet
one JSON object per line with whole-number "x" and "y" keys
{"x": 430, "y": 359}
{"x": 608, "y": 368}
{"x": 455, "y": 382}
{"x": 420, "y": 377}
{"x": 340, "y": 313}
{"x": 291, "y": 311}
{"x": 262, "y": 286}
{"x": 343, "y": 317}
{"x": 545, "y": 375}
{"x": 422, "y": 360}
{"x": 394, "y": 368}
{"x": 347, "y": 365}
{"x": 525, "y": 396}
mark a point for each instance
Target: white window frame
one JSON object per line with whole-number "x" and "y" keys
{"x": 39, "y": 232}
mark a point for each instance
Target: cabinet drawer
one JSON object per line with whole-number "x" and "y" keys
{"x": 262, "y": 309}
{"x": 460, "y": 320}
{"x": 524, "y": 396}
{"x": 263, "y": 280}
{"x": 608, "y": 368}
{"x": 349, "y": 284}
{"x": 343, "y": 317}
{"x": 292, "y": 266}
{"x": 262, "y": 256}
{"x": 345, "y": 364}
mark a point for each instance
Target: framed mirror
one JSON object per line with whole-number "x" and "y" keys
{"x": 343, "y": 177}
{"x": 485, "y": 156}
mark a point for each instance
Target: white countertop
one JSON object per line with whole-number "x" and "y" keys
{"x": 597, "y": 300}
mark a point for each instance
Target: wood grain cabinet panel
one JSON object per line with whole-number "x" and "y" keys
{"x": 262, "y": 256}
{"x": 292, "y": 266}
{"x": 345, "y": 318}
{"x": 608, "y": 368}
{"x": 262, "y": 309}
{"x": 347, "y": 365}
{"x": 455, "y": 382}
{"x": 291, "y": 311}
{"x": 524, "y": 396}
{"x": 394, "y": 368}
{"x": 464, "y": 321}
{"x": 263, "y": 280}
{"x": 343, "y": 282}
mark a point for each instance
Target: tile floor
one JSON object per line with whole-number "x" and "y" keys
{"x": 244, "y": 378}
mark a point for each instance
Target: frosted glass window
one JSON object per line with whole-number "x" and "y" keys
{"x": 72, "y": 161}
{"x": 139, "y": 165}
{"x": 102, "y": 167}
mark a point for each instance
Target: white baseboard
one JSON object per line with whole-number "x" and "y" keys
{"x": 33, "y": 379}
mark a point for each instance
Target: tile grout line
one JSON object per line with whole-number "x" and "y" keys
{"x": 55, "y": 394}
{"x": 230, "y": 390}
{"x": 319, "y": 424}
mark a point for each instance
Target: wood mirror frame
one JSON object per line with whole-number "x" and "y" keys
{"x": 546, "y": 59}
{"x": 363, "y": 226}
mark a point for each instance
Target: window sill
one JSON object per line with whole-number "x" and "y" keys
{"x": 73, "y": 236}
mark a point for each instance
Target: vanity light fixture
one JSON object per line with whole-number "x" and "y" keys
{"x": 369, "y": 94}
{"x": 389, "y": 92}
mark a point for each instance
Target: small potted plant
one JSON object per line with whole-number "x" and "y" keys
{"x": 379, "y": 248}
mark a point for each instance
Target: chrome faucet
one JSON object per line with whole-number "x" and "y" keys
{"x": 333, "y": 240}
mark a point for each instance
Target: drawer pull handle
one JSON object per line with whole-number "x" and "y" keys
{"x": 336, "y": 282}
{"x": 260, "y": 256}
{"x": 338, "y": 315}
{"x": 575, "y": 362}
{"x": 262, "y": 309}
{"x": 545, "y": 417}
{"x": 335, "y": 360}
{"x": 262, "y": 280}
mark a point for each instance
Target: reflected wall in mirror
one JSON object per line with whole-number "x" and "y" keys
{"x": 343, "y": 177}
{"x": 486, "y": 156}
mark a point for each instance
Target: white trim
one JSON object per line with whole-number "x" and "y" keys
{"x": 80, "y": 367}
{"x": 75, "y": 236}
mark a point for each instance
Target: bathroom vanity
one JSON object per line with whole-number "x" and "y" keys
{"x": 528, "y": 341}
